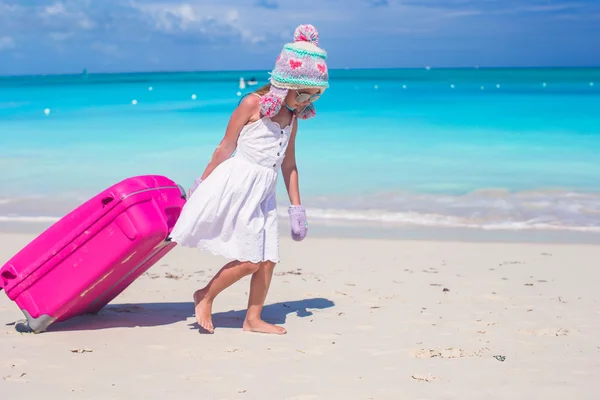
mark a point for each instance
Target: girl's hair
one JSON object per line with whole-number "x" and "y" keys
{"x": 261, "y": 91}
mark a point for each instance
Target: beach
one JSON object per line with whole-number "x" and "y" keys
{"x": 454, "y": 223}
{"x": 445, "y": 154}
{"x": 366, "y": 319}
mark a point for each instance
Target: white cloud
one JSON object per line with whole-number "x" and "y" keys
{"x": 232, "y": 16}
{"x": 55, "y": 9}
{"x": 170, "y": 17}
{"x": 200, "y": 20}
{"x": 67, "y": 15}
{"x": 190, "y": 21}
{"x": 7, "y": 43}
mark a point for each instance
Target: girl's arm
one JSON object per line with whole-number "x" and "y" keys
{"x": 289, "y": 168}
{"x": 240, "y": 116}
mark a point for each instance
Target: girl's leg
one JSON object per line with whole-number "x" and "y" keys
{"x": 227, "y": 276}
{"x": 259, "y": 286}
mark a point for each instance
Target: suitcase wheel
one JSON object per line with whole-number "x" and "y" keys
{"x": 23, "y": 327}
{"x": 34, "y": 325}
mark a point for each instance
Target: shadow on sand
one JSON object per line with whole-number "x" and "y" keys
{"x": 159, "y": 314}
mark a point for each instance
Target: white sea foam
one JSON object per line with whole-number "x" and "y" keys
{"x": 25, "y": 219}
{"x": 437, "y": 220}
{"x": 485, "y": 209}
{"x": 489, "y": 209}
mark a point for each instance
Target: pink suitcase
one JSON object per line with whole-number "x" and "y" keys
{"x": 91, "y": 255}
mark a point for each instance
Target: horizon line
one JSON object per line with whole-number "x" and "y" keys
{"x": 149, "y": 72}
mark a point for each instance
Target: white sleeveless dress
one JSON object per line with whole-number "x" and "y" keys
{"x": 233, "y": 212}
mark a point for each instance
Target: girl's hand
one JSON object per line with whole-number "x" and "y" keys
{"x": 197, "y": 183}
{"x": 298, "y": 222}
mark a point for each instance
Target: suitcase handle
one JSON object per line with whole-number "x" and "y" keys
{"x": 7, "y": 274}
{"x": 183, "y": 192}
{"x": 107, "y": 200}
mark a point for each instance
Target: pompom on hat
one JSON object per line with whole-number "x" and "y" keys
{"x": 301, "y": 64}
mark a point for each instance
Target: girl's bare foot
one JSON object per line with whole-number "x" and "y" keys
{"x": 260, "y": 326}
{"x": 203, "y": 308}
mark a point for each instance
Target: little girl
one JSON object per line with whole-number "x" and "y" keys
{"x": 232, "y": 208}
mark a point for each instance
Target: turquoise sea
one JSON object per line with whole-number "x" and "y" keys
{"x": 472, "y": 148}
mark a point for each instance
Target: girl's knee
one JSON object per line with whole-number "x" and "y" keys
{"x": 268, "y": 264}
{"x": 251, "y": 267}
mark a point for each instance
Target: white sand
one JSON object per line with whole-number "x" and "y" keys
{"x": 365, "y": 320}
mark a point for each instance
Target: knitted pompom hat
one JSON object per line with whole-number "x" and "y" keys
{"x": 301, "y": 64}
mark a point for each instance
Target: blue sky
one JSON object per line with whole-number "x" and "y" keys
{"x": 66, "y": 36}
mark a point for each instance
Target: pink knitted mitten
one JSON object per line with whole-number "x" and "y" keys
{"x": 298, "y": 222}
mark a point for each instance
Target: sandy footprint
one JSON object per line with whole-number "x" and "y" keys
{"x": 449, "y": 352}
{"x": 485, "y": 323}
{"x": 16, "y": 377}
{"x": 170, "y": 275}
{"x": 547, "y": 332}
{"x": 423, "y": 378}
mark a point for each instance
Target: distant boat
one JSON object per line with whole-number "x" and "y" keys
{"x": 252, "y": 81}
{"x": 242, "y": 83}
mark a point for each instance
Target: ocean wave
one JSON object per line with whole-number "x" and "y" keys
{"x": 25, "y": 219}
{"x": 490, "y": 209}
{"x": 436, "y": 220}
